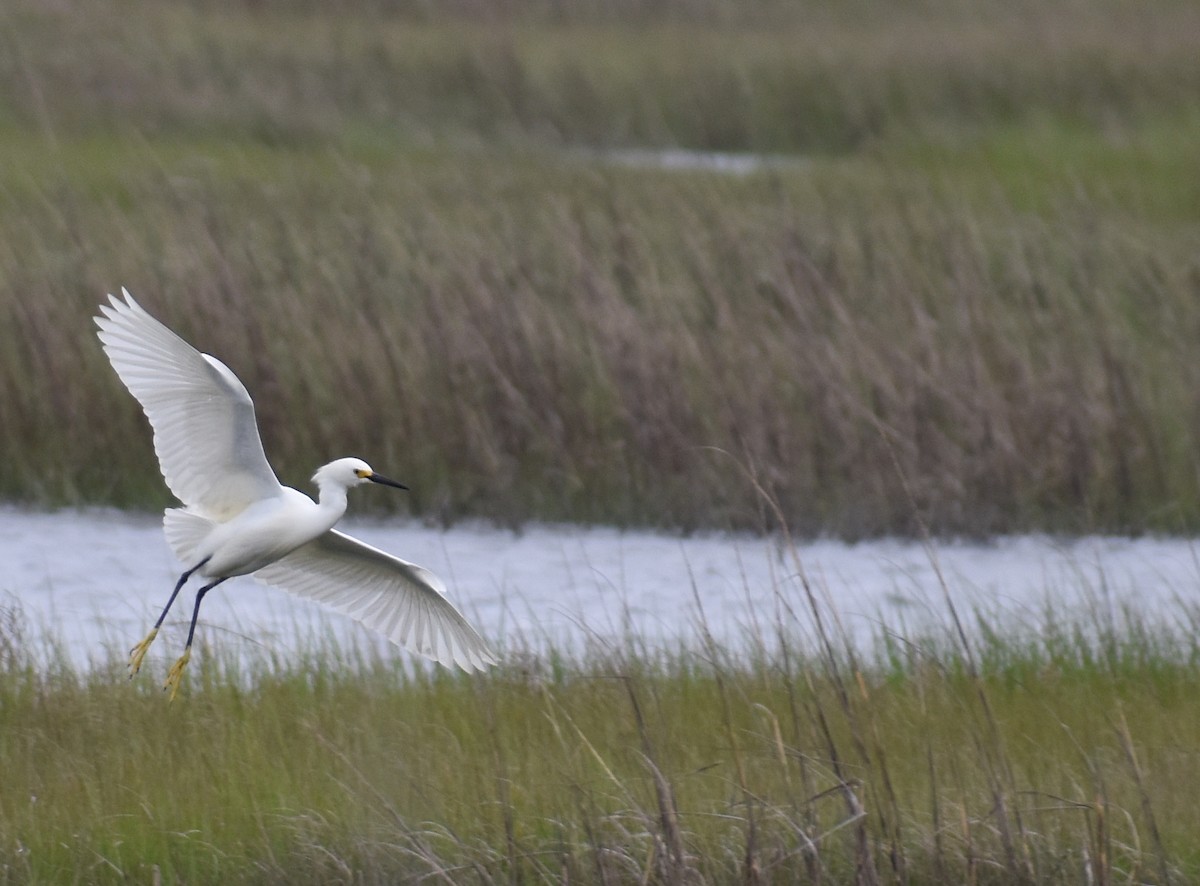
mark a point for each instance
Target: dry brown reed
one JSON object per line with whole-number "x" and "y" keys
{"x": 722, "y": 75}
{"x": 574, "y": 353}
{"x": 523, "y": 333}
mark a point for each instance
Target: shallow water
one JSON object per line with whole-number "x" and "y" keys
{"x": 684, "y": 160}
{"x": 96, "y": 579}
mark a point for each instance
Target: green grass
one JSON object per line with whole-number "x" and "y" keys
{"x": 1060, "y": 754}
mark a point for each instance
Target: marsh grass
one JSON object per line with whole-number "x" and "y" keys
{"x": 1060, "y": 755}
{"x": 984, "y": 268}
{"x": 527, "y": 339}
{"x": 804, "y": 78}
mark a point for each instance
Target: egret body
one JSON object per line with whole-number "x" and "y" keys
{"x": 238, "y": 519}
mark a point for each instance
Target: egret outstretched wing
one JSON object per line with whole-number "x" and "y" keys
{"x": 400, "y": 600}
{"x": 205, "y": 434}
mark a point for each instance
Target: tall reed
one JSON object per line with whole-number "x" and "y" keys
{"x": 581, "y": 349}
{"x": 985, "y": 269}
{"x": 812, "y": 77}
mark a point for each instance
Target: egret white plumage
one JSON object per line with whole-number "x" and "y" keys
{"x": 238, "y": 519}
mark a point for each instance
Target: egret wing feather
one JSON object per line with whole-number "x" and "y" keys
{"x": 205, "y": 434}
{"x": 400, "y": 600}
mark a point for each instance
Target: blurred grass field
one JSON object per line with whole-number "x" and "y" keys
{"x": 968, "y": 299}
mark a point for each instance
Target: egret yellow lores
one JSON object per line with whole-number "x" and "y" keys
{"x": 238, "y": 519}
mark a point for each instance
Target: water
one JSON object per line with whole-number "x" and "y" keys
{"x": 97, "y": 579}
{"x": 684, "y": 160}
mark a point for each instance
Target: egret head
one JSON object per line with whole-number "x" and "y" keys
{"x": 347, "y": 472}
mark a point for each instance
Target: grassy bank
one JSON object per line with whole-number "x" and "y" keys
{"x": 1061, "y": 756}
{"x": 973, "y": 290}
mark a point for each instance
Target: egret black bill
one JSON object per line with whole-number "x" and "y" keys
{"x": 385, "y": 481}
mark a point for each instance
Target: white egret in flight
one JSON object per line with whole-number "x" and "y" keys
{"x": 238, "y": 519}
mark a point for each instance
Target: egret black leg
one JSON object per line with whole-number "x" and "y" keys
{"x": 138, "y": 652}
{"x": 196, "y": 612}
{"x": 175, "y": 593}
{"x": 176, "y": 673}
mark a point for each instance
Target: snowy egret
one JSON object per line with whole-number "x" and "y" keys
{"x": 238, "y": 519}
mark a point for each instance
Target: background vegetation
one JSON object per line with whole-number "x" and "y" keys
{"x": 966, "y": 281}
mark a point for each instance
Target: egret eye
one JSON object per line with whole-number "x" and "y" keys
{"x": 361, "y": 474}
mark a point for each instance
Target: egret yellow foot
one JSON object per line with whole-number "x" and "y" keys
{"x": 137, "y": 653}
{"x": 176, "y": 673}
